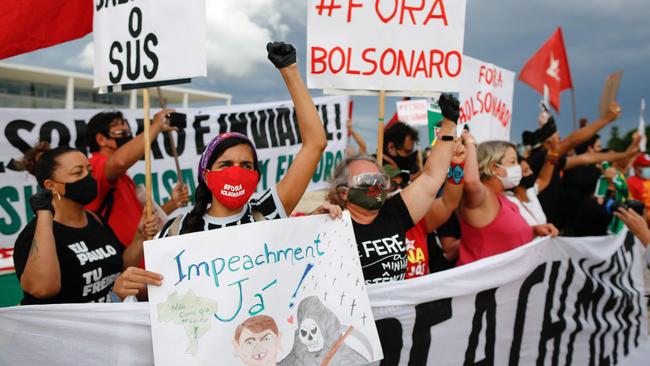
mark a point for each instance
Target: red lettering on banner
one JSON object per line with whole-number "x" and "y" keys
{"x": 459, "y": 63}
{"x": 318, "y": 59}
{"x": 382, "y": 63}
{"x": 381, "y": 16}
{"x": 410, "y": 10}
{"x": 421, "y": 66}
{"x": 401, "y": 63}
{"x": 332, "y": 68}
{"x": 370, "y": 61}
{"x": 348, "y": 70}
{"x": 490, "y": 76}
{"x": 391, "y": 62}
{"x": 352, "y": 5}
{"x": 487, "y": 103}
{"x": 442, "y": 15}
{"x": 433, "y": 62}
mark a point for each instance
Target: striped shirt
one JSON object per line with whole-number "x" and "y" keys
{"x": 266, "y": 203}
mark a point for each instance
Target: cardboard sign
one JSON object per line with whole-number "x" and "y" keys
{"x": 287, "y": 292}
{"x": 486, "y": 100}
{"x": 385, "y": 45}
{"x": 413, "y": 112}
{"x": 145, "y": 43}
{"x": 608, "y": 96}
{"x": 271, "y": 127}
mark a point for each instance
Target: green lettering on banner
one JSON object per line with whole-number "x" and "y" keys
{"x": 168, "y": 182}
{"x": 280, "y": 170}
{"x": 326, "y": 166}
{"x": 29, "y": 191}
{"x": 264, "y": 173}
{"x": 329, "y": 161}
{"x": 7, "y": 195}
{"x": 188, "y": 179}
{"x": 169, "y": 179}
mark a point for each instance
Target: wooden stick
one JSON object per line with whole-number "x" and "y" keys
{"x": 335, "y": 347}
{"x": 170, "y": 138}
{"x": 380, "y": 132}
{"x": 147, "y": 154}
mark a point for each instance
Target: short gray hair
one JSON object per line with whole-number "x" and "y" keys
{"x": 491, "y": 152}
{"x": 341, "y": 174}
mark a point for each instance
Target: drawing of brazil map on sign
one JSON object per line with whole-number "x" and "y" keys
{"x": 190, "y": 311}
{"x": 283, "y": 292}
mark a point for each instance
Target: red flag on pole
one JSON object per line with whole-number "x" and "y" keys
{"x": 28, "y": 25}
{"x": 549, "y": 67}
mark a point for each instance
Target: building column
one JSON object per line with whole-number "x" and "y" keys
{"x": 69, "y": 93}
{"x": 133, "y": 102}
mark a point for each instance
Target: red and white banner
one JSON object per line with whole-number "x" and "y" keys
{"x": 413, "y": 112}
{"x": 486, "y": 99}
{"x": 385, "y": 45}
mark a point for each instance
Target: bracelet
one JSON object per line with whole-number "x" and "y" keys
{"x": 456, "y": 174}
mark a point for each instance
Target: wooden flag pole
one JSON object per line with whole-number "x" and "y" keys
{"x": 170, "y": 138}
{"x": 573, "y": 101}
{"x": 380, "y": 132}
{"x": 147, "y": 153}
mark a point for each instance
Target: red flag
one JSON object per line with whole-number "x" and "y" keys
{"x": 550, "y": 67}
{"x": 28, "y": 25}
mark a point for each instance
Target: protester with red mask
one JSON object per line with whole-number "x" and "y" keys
{"x": 639, "y": 183}
{"x": 229, "y": 172}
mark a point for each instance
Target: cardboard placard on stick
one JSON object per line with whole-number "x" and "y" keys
{"x": 610, "y": 91}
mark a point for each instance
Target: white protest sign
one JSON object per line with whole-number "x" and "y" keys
{"x": 486, "y": 99}
{"x": 272, "y": 127}
{"x": 143, "y": 43}
{"x": 385, "y": 45}
{"x": 413, "y": 112}
{"x": 287, "y": 291}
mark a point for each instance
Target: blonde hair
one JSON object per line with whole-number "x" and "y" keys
{"x": 491, "y": 152}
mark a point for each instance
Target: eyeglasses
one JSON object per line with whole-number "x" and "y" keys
{"x": 370, "y": 180}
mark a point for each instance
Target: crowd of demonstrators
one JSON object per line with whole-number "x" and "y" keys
{"x": 412, "y": 215}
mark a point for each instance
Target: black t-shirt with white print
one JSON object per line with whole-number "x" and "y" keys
{"x": 266, "y": 203}
{"x": 382, "y": 245}
{"x": 90, "y": 259}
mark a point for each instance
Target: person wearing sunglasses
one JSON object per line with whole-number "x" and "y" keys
{"x": 115, "y": 150}
{"x": 380, "y": 223}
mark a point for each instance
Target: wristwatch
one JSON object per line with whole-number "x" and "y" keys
{"x": 447, "y": 138}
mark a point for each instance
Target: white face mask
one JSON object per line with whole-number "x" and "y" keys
{"x": 512, "y": 178}
{"x": 645, "y": 173}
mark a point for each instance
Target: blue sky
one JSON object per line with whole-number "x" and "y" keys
{"x": 601, "y": 36}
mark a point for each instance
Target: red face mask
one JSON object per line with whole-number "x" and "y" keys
{"x": 232, "y": 186}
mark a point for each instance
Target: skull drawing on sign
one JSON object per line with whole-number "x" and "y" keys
{"x": 311, "y": 336}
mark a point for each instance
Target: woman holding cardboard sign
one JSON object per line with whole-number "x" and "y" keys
{"x": 229, "y": 173}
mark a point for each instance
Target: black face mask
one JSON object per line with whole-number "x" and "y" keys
{"x": 528, "y": 182}
{"x": 406, "y": 162}
{"x": 82, "y": 191}
{"x": 120, "y": 141}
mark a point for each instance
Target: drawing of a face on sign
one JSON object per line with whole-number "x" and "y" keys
{"x": 257, "y": 341}
{"x": 311, "y": 336}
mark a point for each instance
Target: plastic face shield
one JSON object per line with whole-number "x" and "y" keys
{"x": 370, "y": 180}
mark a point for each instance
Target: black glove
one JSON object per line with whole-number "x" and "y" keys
{"x": 281, "y": 54}
{"x": 450, "y": 107}
{"x": 41, "y": 201}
